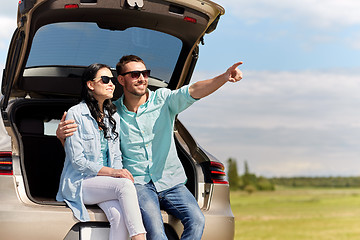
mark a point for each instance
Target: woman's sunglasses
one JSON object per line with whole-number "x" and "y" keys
{"x": 136, "y": 74}
{"x": 106, "y": 79}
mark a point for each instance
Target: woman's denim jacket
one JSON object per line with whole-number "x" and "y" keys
{"x": 82, "y": 152}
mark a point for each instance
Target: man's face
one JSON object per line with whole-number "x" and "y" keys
{"x": 133, "y": 84}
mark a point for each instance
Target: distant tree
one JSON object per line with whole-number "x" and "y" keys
{"x": 250, "y": 182}
{"x": 233, "y": 176}
{"x": 246, "y": 168}
{"x": 248, "y": 178}
{"x": 330, "y": 182}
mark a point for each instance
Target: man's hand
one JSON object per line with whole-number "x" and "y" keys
{"x": 206, "y": 87}
{"x": 234, "y": 74}
{"x": 66, "y": 128}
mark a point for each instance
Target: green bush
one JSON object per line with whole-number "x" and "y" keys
{"x": 264, "y": 184}
{"x": 249, "y": 189}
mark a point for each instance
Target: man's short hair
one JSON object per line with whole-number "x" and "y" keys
{"x": 126, "y": 59}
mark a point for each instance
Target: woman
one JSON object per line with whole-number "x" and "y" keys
{"x": 92, "y": 171}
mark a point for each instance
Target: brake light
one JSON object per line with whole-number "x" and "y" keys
{"x": 68, "y": 6}
{"x": 217, "y": 172}
{"x": 190, "y": 19}
{"x": 6, "y": 163}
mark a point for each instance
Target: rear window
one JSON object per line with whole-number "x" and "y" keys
{"x": 81, "y": 44}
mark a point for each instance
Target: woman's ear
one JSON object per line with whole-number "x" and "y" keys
{"x": 90, "y": 85}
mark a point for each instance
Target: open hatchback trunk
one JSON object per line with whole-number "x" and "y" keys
{"x": 56, "y": 40}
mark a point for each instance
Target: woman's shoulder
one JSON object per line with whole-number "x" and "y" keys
{"x": 78, "y": 109}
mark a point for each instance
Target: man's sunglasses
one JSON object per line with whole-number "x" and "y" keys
{"x": 106, "y": 79}
{"x": 136, "y": 74}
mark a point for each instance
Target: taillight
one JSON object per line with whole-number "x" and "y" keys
{"x": 6, "y": 163}
{"x": 217, "y": 173}
{"x": 68, "y": 6}
{"x": 190, "y": 19}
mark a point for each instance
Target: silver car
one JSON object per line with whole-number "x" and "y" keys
{"x": 53, "y": 43}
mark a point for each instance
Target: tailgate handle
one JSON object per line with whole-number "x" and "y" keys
{"x": 135, "y": 3}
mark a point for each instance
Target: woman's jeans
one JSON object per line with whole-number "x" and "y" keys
{"x": 117, "y": 198}
{"x": 177, "y": 201}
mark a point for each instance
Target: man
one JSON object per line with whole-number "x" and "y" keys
{"x": 148, "y": 148}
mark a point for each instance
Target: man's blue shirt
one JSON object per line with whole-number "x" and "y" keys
{"x": 147, "y": 140}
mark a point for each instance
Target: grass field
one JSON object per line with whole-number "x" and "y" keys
{"x": 294, "y": 214}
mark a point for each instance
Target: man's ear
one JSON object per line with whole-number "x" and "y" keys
{"x": 121, "y": 80}
{"x": 90, "y": 85}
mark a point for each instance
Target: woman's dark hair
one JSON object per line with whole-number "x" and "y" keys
{"x": 88, "y": 96}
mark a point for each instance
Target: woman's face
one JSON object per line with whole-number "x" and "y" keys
{"x": 101, "y": 90}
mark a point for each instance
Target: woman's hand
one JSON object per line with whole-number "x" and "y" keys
{"x": 116, "y": 173}
{"x": 122, "y": 173}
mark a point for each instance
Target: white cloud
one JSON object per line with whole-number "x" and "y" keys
{"x": 354, "y": 40}
{"x": 319, "y": 13}
{"x": 8, "y": 8}
{"x": 283, "y": 123}
{"x": 7, "y": 26}
{"x": 286, "y": 99}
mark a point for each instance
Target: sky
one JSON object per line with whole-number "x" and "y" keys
{"x": 295, "y": 113}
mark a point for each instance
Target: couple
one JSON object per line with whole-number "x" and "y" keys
{"x": 97, "y": 172}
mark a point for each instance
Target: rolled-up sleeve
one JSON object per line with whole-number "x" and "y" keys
{"x": 180, "y": 99}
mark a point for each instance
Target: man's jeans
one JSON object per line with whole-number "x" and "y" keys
{"x": 177, "y": 201}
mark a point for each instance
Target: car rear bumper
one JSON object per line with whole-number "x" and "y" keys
{"x": 21, "y": 219}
